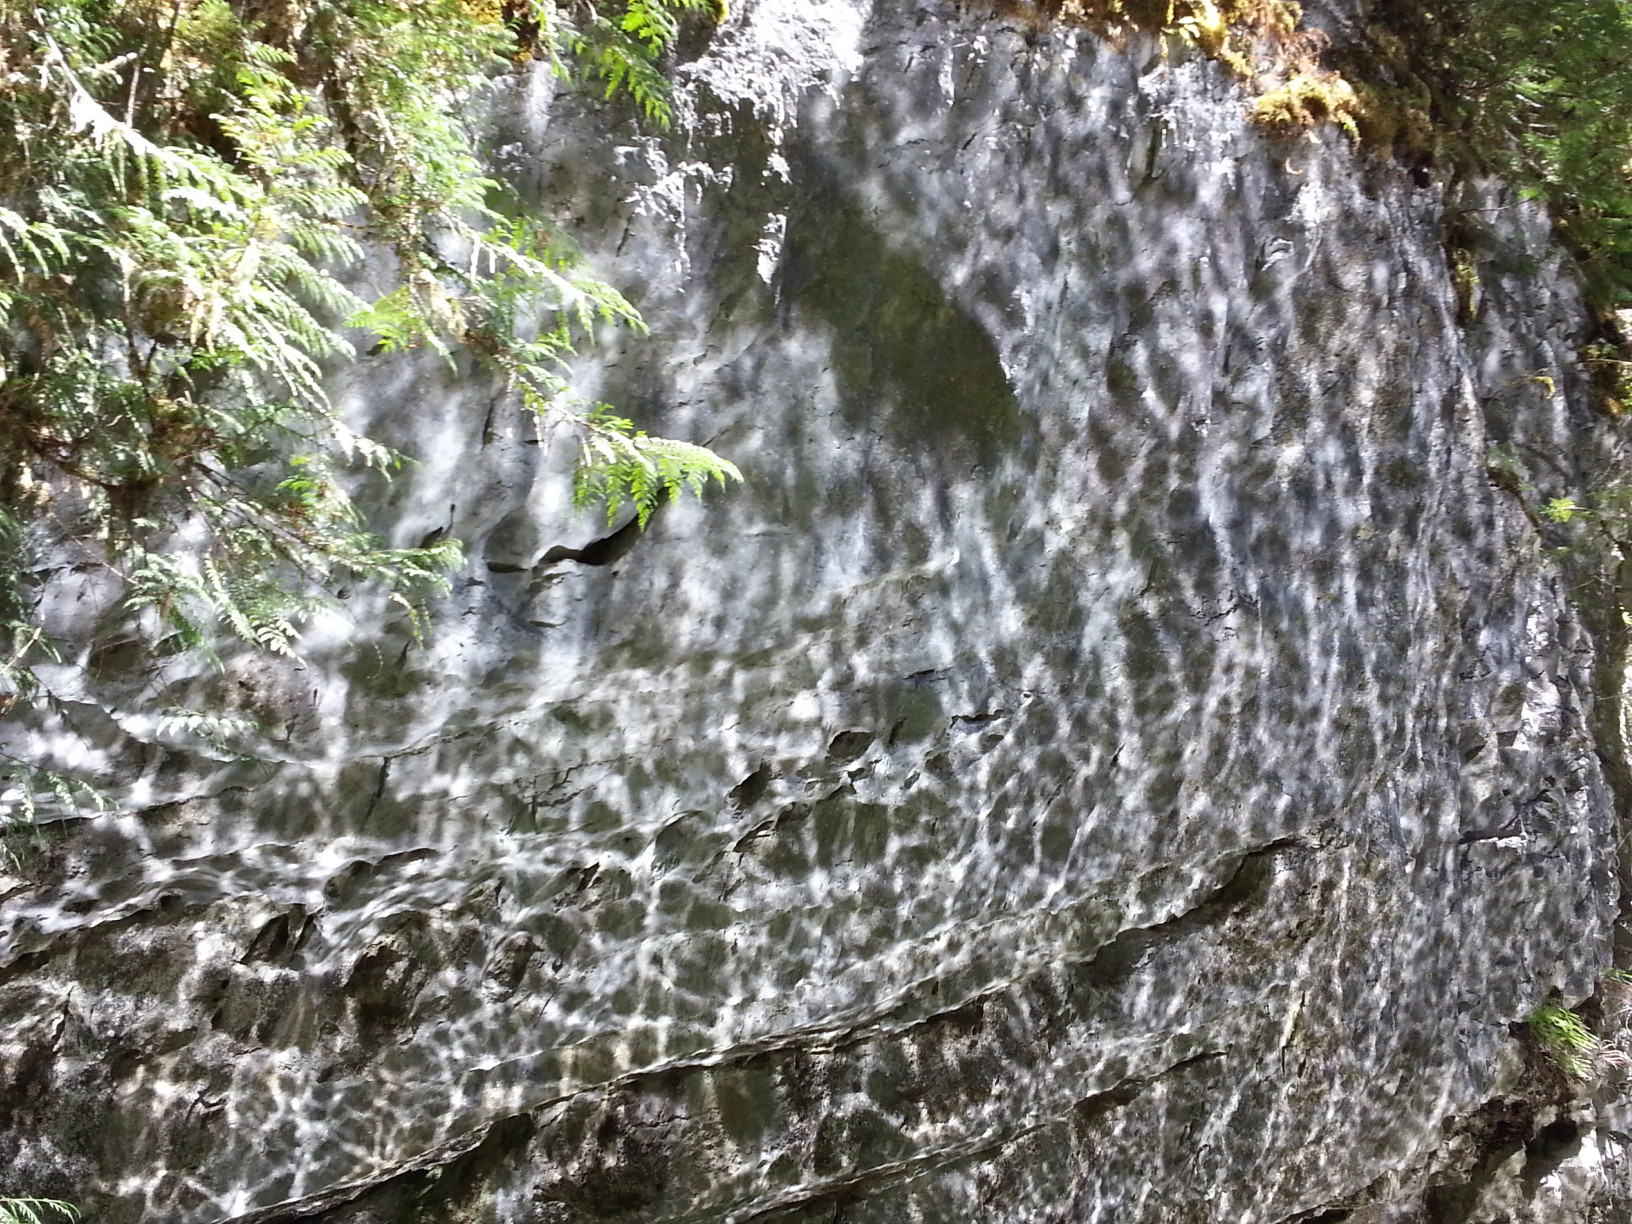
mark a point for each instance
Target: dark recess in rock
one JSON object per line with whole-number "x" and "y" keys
{"x": 604, "y": 551}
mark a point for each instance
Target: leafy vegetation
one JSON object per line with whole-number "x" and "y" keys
{"x": 35, "y": 1210}
{"x": 1540, "y": 90}
{"x": 1605, "y": 513}
{"x": 1565, "y": 1038}
{"x": 619, "y": 45}
{"x": 183, "y": 184}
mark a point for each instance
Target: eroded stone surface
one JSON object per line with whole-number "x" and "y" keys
{"x": 1118, "y": 758}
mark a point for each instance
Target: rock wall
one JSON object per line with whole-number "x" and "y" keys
{"x": 1118, "y": 758}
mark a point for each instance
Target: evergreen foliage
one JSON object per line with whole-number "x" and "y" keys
{"x": 621, "y": 48}
{"x": 626, "y": 467}
{"x": 1540, "y": 90}
{"x": 182, "y": 185}
{"x": 35, "y": 1210}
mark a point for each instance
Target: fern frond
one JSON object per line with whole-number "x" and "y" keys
{"x": 35, "y": 1210}
{"x": 619, "y": 465}
{"x": 174, "y": 302}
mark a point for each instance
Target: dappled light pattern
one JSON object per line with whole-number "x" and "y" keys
{"x": 1118, "y": 758}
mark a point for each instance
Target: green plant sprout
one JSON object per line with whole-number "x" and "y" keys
{"x": 1565, "y": 1038}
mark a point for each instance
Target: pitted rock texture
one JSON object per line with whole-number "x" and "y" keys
{"x": 1119, "y": 757}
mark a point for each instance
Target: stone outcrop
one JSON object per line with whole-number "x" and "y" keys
{"x": 1119, "y": 756}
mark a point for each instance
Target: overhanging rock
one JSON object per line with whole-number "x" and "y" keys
{"x": 1118, "y": 758}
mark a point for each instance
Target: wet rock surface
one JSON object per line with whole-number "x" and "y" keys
{"x": 1118, "y": 757}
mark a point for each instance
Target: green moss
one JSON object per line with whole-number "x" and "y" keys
{"x": 1307, "y": 100}
{"x": 1394, "y": 120}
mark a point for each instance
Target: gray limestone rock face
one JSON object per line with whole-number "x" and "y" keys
{"x": 1118, "y": 757}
